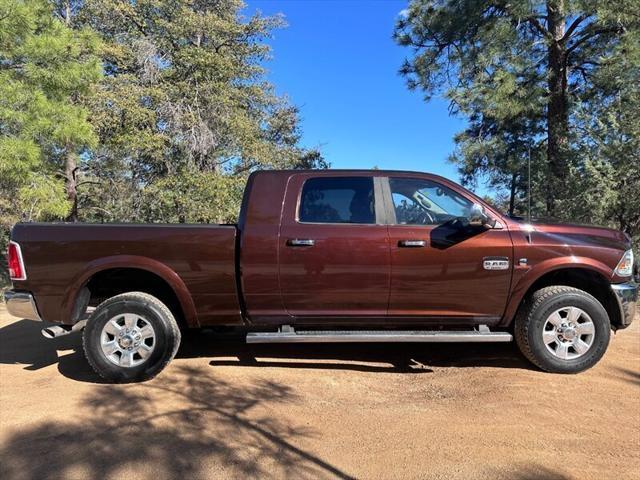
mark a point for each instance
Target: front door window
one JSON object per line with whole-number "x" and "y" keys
{"x": 424, "y": 202}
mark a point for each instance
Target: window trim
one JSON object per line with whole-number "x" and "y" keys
{"x": 378, "y": 202}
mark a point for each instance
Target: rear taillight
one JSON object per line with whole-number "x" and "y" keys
{"x": 16, "y": 264}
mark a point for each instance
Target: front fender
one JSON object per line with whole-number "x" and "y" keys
{"x": 81, "y": 279}
{"x": 524, "y": 277}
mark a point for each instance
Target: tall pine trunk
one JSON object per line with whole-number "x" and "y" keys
{"x": 70, "y": 171}
{"x": 70, "y": 162}
{"x": 557, "y": 107}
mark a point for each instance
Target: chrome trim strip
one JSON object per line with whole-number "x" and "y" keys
{"x": 377, "y": 337}
{"x": 21, "y": 305}
{"x": 627, "y": 297}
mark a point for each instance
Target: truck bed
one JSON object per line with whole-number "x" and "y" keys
{"x": 198, "y": 260}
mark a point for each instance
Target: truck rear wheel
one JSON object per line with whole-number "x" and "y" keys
{"x": 130, "y": 338}
{"x": 562, "y": 329}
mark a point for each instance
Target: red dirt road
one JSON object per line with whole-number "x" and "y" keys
{"x": 227, "y": 410}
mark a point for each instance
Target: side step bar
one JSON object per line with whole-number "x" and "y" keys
{"x": 288, "y": 335}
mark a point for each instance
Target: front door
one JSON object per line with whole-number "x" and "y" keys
{"x": 442, "y": 268}
{"x": 333, "y": 249}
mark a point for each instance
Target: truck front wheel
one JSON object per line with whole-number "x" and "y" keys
{"x": 130, "y": 338}
{"x": 562, "y": 329}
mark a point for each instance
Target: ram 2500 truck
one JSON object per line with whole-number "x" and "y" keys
{"x": 329, "y": 256}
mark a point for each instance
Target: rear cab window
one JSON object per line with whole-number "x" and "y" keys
{"x": 348, "y": 200}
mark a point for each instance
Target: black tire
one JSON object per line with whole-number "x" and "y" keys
{"x": 165, "y": 342}
{"x": 531, "y": 318}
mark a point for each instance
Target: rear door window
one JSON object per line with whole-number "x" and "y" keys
{"x": 338, "y": 200}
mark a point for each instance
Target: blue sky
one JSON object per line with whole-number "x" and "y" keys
{"x": 337, "y": 61}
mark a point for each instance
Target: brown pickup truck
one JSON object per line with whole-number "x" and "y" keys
{"x": 329, "y": 256}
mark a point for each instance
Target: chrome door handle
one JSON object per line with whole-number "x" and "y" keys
{"x": 412, "y": 243}
{"x": 301, "y": 242}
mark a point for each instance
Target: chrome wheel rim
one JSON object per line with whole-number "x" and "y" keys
{"x": 568, "y": 333}
{"x": 127, "y": 340}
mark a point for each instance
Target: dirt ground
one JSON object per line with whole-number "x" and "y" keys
{"x": 227, "y": 410}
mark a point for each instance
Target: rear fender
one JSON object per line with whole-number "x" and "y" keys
{"x": 181, "y": 291}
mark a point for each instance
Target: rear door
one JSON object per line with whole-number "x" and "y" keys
{"x": 443, "y": 269}
{"x": 334, "y": 249}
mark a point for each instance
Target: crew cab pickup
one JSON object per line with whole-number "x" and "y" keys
{"x": 329, "y": 256}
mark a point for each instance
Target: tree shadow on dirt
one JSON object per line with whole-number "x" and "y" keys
{"x": 184, "y": 424}
{"x": 21, "y": 342}
{"x": 629, "y": 375}
{"x": 534, "y": 472}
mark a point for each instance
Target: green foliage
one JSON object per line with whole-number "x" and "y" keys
{"x": 608, "y": 127}
{"x": 194, "y": 197}
{"x": 43, "y": 66}
{"x": 498, "y": 62}
{"x": 184, "y": 91}
{"x": 155, "y": 110}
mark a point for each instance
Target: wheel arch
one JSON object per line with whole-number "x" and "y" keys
{"x": 591, "y": 278}
{"x": 134, "y": 273}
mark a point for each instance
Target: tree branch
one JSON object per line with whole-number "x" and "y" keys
{"x": 85, "y": 182}
{"x": 12, "y": 66}
{"x": 538, "y": 26}
{"x": 594, "y": 33}
{"x": 576, "y": 23}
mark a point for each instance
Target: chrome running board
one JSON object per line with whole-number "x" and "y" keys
{"x": 289, "y": 335}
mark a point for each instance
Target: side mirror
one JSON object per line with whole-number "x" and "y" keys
{"x": 478, "y": 218}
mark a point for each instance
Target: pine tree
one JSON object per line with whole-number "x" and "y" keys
{"x": 45, "y": 68}
{"x": 183, "y": 105}
{"x": 517, "y": 70}
{"x": 608, "y": 139}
